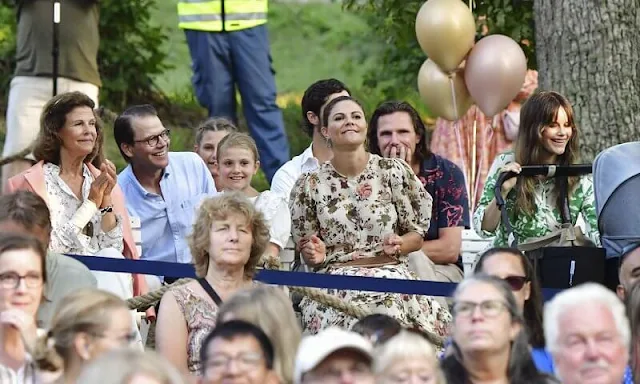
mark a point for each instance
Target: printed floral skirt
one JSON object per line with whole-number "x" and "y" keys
{"x": 416, "y": 311}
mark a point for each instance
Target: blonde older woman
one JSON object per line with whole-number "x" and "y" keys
{"x": 86, "y": 324}
{"x": 270, "y": 309}
{"x": 130, "y": 367}
{"x": 407, "y": 357}
{"x": 228, "y": 239}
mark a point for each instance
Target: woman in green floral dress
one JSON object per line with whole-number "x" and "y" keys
{"x": 548, "y": 135}
{"x": 360, "y": 215}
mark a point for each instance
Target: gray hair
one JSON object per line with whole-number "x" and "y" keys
{"x": 406, "y": 345}
{"x": 120, "y": 366}
{"x": 582, "y": 294}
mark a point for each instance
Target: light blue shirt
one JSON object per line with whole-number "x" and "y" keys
{"x": 167, "y": 220}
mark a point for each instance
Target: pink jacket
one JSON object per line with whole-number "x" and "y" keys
{"x": 33, "y": 180}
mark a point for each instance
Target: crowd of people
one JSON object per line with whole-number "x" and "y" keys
{"x": 374, "y": 195}
{"x": 366, "y": 198}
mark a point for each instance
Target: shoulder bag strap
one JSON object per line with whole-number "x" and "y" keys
{"x": 209, "y": 289}
{"x": 565, "y": 211}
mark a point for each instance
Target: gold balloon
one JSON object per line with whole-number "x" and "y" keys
{"x": 446, "y": 31}
{"x": 435, "y": 90}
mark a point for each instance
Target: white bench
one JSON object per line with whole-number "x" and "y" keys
{"x": 287, "y": 256}
{"x": 472, "y": 246}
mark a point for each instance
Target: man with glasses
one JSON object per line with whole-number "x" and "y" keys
{"x": 334, "y": 356}
{"x": 161, "y": 188}
{"x": 237, "y": 352}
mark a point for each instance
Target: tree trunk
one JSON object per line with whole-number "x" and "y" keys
{"x": 589, "y": 50}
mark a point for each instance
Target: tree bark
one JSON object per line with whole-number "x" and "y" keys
{"x": 589, "y": 50}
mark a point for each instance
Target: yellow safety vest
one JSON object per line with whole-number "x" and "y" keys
{"x": 221, "y": 15}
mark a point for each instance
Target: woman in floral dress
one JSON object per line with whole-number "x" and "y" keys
{"x": 360, "y": 215}
{"x": 548, "y": 135}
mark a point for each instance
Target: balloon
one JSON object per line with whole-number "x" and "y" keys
{"x": 446, "y": 32}
{"x": 494, "y": 73}
{"x": 435, "y": 90}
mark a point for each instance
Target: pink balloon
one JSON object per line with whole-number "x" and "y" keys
{"x": 494, "y": 73}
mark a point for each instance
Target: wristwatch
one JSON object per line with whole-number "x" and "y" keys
{"x": 105, "y": 210}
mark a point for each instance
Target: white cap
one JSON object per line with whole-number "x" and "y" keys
{"x": 314, "y": 349}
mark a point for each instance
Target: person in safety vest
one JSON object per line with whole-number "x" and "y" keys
{"x": 229, "y": 47}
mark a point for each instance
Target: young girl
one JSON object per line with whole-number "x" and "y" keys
{"x": 237, "y": 162}
{"x": 209, "y": 135}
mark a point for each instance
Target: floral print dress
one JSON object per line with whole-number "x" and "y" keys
{"x": 352, "y": 215}
{"x": 546, "y": 218}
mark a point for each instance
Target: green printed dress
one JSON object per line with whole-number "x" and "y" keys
{"x": 546, "y": 216}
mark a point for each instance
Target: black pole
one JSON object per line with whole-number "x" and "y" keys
{"x": 56, "y": 44}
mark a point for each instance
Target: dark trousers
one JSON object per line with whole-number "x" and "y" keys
{"x": 224, "y": 60}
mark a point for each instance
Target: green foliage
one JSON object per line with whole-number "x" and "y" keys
{"x": 131, "y": 52}
{"x": 394, "y": 20}
{"x": 7, "y": 50}
{"x": 513, "y": 18}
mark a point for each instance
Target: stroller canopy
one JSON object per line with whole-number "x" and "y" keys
{"x": 616, "y": 183}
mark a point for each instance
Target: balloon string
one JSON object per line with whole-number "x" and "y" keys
{"x": 486, "y": 146}
{"x": 474, "y": 161}
{"x": 453, "y": 96}
{"x": 464, "y": 163}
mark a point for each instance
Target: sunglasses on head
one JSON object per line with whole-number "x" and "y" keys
{"x": 515, "y": 282}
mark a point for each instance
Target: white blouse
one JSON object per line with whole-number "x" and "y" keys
{"x": 276, "y": 213}
{"x": 76, "y": 225}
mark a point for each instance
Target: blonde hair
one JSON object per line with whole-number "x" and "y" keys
{"x": 83, "y": 311}
{"x": 270, "y": 309}
{"x": 215, "y": 124}
{"x": 220, "y": 208}
{"x": 237, "y": 140}
{"x": 120, "y": 366}
{"x": 406, "y": 345}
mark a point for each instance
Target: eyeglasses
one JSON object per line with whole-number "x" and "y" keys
{"x": 154, "y": 140}
{"x": 515, "y": 282}
{"x": 488, "y": 308}
{"x": 11, "y": 280}
{"x": 244, "y": 361}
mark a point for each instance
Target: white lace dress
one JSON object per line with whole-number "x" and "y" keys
{"x": 75, "y": 233}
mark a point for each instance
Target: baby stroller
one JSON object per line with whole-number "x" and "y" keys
{"x": 616, "y": 182}
{"x": 565, "y": 257}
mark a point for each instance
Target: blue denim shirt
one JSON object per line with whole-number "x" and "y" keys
{"x": 167, "y": 220}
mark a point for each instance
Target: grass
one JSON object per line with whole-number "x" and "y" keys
{"x": 308, "y": 42}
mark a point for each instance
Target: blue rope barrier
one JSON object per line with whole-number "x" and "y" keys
{"x": 294, "y": 279}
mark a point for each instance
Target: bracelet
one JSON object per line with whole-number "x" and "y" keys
{"x": 105, "y": 210}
